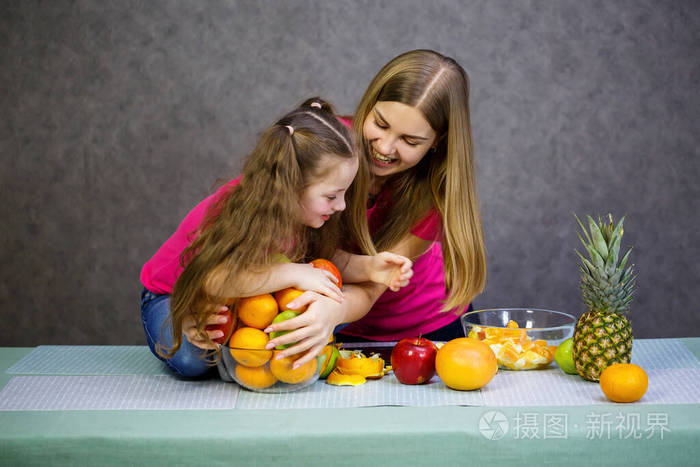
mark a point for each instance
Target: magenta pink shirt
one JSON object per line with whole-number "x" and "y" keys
{"x": 162, "y": 270}
{"x": 415, "y": 309}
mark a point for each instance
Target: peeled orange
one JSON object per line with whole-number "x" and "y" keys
{"x": 465, "y": 364}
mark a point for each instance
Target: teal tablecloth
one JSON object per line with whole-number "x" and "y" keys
{"x": 620, "y": 434}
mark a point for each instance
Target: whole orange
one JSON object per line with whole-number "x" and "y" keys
{"x": 285, "y": 296}
{"x": 248, "y": 347}
{"x": 465, "y": 364}
{"x": 258, "y": 311}
{"x": 282, "y": 369}
{"x": 258, "y": 377}
{"x": 624, "y": 382}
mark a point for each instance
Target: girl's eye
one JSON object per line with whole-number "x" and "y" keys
{"x": 331, "y": 197}
{"x": 381, "y": 125}
{"x": 411, "y": 143}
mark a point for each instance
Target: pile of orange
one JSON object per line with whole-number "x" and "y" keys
{"x": 513, "y": 348}
{"x": 257, "y": 367}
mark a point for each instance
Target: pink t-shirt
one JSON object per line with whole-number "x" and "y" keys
{"x": 162, "y": 270}
{"x": 415, "y": 309}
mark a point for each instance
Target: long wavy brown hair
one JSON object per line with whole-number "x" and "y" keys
{"x": 444, "y": 179}
{"x": 259, "y": 217}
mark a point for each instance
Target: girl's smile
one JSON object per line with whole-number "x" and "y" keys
{"x": 398, "y": 136}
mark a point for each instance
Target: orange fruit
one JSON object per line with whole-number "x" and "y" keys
{"x": 258, "y": 311}
{"x": 285, "y": 296}
{"x": 624, "y": 382}
{"x": 282, "y": 369}
{"x": 253, "y": 339}
{"x": 465, "y": 364}
{"x": 259, "y": 377}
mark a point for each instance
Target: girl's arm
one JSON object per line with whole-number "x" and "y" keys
{"x": 277, "y": 277}
{"x": 312, "y": 329}
{"x": 386, "y": 268}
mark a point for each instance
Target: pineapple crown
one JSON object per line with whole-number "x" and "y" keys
{"x": 606, "y": 286}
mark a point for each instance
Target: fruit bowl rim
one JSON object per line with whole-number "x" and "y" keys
{"x": 476, "y": 312}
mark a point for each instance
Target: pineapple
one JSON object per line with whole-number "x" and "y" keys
{"x": 603, "y": 335}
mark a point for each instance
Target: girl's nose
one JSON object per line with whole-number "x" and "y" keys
{"x": 385, "y": 146}
{"x": 340, "y": 204}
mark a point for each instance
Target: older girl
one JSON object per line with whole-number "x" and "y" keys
{"x": 414, "y": 130}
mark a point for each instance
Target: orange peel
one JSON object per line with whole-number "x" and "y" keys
{"x": 354, "y": 362}
{"x": 338, "y": 379}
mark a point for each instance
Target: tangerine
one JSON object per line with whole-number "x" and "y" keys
{"x": 259, "y": 377}
{"x": 285, "y": 296}
{"x": 248, "y": 347}
{"x": 624, "y": 382}
{"x": 258, "y": 311}
{"x": 465, "y": 364}
{"x": 282, "y": 369}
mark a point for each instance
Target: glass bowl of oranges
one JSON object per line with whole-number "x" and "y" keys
{"x": 521, "y": 338}
{"x": 258, "y": 370}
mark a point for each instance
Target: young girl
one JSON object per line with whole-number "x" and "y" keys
{"x": 293, "y": 184}
{"x": 415, "y": 134}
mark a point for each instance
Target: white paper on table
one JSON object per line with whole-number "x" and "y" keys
{"x": 129, "y": 392}
{"x": 382, "y": 392}
{"x": 553, "y": 387}
{"x": 89, "y": 360}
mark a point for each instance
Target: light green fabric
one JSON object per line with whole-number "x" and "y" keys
{"x": 372, "y": 436}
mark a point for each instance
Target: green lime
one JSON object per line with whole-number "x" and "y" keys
{"x": 564, "y": 356}
{"x": 284, "y": 316}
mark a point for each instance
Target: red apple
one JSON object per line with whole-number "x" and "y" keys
{"x": 413, "y": 360}
{"x": 328, "y": 266}
{"x": 226, "y": 328}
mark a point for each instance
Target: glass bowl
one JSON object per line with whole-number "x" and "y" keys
{"x": 256, "y": 370}
{"x": 521, "y": 338}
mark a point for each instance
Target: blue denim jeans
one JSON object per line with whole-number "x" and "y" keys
{"x": 188, "y": 361}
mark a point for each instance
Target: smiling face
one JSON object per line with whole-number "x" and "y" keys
{"x": 398, "y": 136}
{"x": 326, "y": 194}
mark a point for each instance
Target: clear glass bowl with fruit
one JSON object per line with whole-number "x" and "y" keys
{"x": 521, "y": 338}
{"x": 259, "y": 371}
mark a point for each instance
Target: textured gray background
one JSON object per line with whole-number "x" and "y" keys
{"x": 117, "y": 117}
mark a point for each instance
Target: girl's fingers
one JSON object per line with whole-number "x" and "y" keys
{"x": 292, "y": 337}
{"x": 308, "y": 356}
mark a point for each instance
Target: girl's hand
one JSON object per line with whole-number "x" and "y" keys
{"x": 390, "y": 269}
{"x": 307, "y": 277}
{"x": 310, "y": 330}
{"x": 199, "y": 339}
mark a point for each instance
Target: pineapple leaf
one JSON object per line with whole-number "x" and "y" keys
{"x": 585, "y": 232}
{"x": 599, "y": 242}
{"x": 624, "y": 259}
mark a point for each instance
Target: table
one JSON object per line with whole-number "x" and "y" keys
{"x": 446, "y": 435}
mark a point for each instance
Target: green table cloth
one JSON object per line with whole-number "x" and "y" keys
{"x": 487, "y": 434}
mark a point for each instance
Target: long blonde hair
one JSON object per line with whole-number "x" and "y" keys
{"x": 444, "y": 179}
{"x": 258, "y": 217}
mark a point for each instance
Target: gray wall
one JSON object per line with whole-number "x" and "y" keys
{"x": 117, "y": 117}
